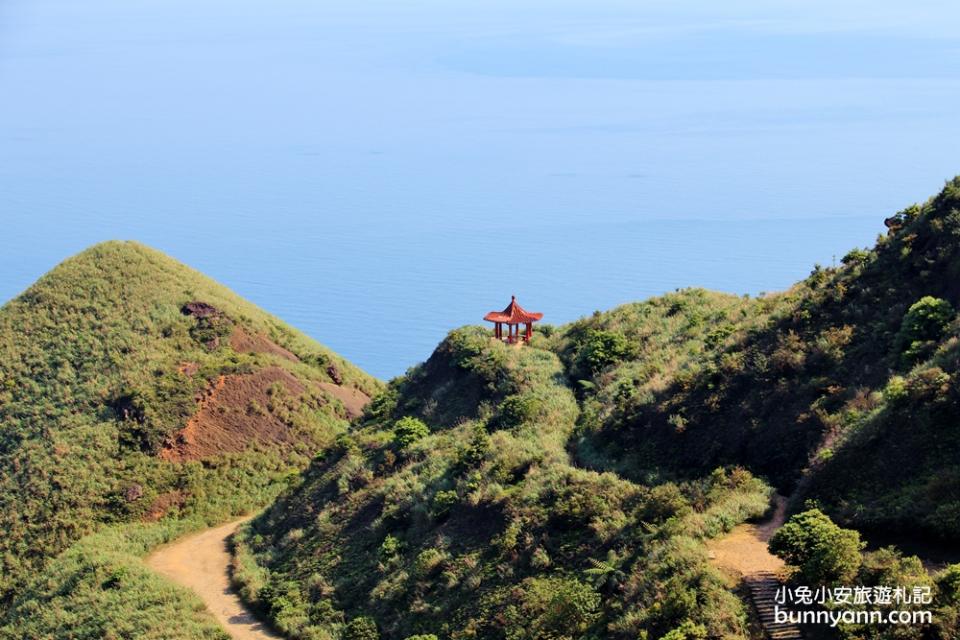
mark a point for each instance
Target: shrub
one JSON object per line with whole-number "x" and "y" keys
{"x": 688, "y": 630}
{"x": 856, "y": 257}
{"x": 717, "y": 335}
{"x": 552, "y": 608}
{"x": 428, "y": 562}
{"x": 518, "y": 409}
{"x": 540, "y": 559}
{"x": 443, "y": 501}
{"x": 603, "y": 348}
{"x": 474, "y": 454}
{"x": 896, "y": 389}
{"x": 821, "y": 551}
{"x": 923, "y": 324}
{"x": 361, "y": 628}
{"x": 948, "y": 585}
{"x": 928, "y": 384}
{"x": 665, "y": 501}
{"x": 408, "y": 430}
{"x": 389, "y": 548}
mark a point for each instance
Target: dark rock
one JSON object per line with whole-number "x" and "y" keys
{"x": 200, "y": 310}
{"x": 334, "y": 374}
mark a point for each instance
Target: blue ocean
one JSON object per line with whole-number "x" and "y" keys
{"x": 377, "y": 173}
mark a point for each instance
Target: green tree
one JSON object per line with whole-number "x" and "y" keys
{"x": 821, "y": 551}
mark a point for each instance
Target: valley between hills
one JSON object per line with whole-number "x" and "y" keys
{"x": 642, "y": 473}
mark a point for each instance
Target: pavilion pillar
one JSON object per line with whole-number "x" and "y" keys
{"x": 519, "y": 323}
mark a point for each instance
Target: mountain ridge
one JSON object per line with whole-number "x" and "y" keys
{"x": 677, "y": 400}
{"x": 565, "y": 489}
{"x": 104, "y": 360}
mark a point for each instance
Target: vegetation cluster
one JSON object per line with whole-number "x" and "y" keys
{"x": 468, "y": 519}
{"x": 102, "y": 363}
{"x": 561, "y": 490}
{"x": 845, "y": 389}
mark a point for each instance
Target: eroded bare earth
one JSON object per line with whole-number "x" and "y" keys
{"x": 231, "y": 415}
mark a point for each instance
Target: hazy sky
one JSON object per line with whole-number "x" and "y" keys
{"x": 383, "y": 158}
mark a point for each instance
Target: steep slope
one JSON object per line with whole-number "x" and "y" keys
{"x": 846, "y": 384}
{"x": 134, "y": 388}
{"x": 454, "y": 510}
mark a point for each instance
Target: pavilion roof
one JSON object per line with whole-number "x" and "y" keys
{"x": 513, "y": 314}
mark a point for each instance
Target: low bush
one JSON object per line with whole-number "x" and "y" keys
{"x": 820, "y": 551}
{"x": 408, "y": 430}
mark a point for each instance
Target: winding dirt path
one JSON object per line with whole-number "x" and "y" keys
{"x": 743, "y": 553}
{"x": 201, "y": 562}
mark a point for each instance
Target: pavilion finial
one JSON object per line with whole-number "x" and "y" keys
{"x": 513, "y": 298}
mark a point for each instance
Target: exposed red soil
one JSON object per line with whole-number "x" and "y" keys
{"x": 232, "y": 414}
{"x": 353, "y": 400}
{"x": 164, "y": 503}
{"x": 243, "y": 342}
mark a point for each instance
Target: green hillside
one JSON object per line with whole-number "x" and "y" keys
{"x": 560, "y": 490}
{"x": 454, "y": 510}
{"x": 564, "y": 490}
{"x": 843, "y": 388}
{"x": 133, "y": 390}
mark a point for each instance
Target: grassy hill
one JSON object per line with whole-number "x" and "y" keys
{"x": 135, "y": 390}
{"x": 454, "y": 510}
{"x": 824, "y": 389}
{"x": 564, "y": 490}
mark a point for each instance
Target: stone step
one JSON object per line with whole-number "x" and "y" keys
{"x": 763, "y": 591}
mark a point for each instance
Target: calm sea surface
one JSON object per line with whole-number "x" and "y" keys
{"x": 377, "y": 173}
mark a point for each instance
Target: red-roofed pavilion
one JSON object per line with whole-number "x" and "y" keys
{"x": 513, "y": 316}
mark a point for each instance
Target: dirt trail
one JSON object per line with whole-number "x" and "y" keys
{"x": 743, "y": 553}
{"x": 201, "y": 562}
{"x": 744, "y": 550}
